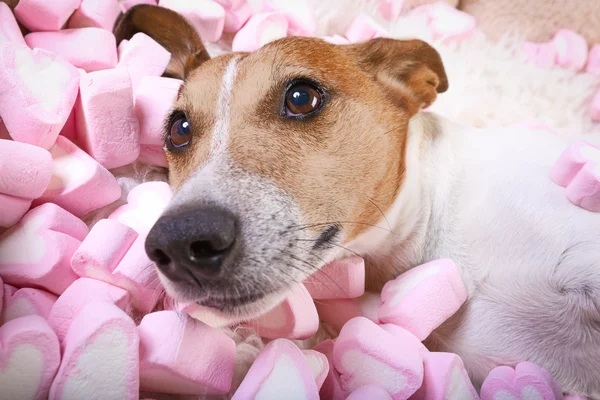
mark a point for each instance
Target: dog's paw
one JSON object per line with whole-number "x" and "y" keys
{"x": 578, "y": 170}
{"x": 526, "y": 381}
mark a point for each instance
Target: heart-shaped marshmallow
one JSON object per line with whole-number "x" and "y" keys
{"x": 260, "y": 30}
{"x": 364, "y": 353}
{"x": 342, "y": 279}
{"x": 295, "y": 318}
{"x": 364, "y": 28}
{"x": 13, "y": 209}
{"x": 106, "y": 124}
{"x": 336, "y": 313}
{"x": 279, "y": 371}
{"x": 38, "y": 89}
{"x": 79, "y": 183}
{"x": 445, "y": 378}
{"x": 27, "y": 301}
{"x": 526, "y": 381}
{"x": 142, "y": 56}
{"x": 42, "y": 15}
{"x": 95, "y": 13}
{"x": 181, "y": 355}
{"x": 206, "y": 16}
{"x": 81, "y": 293}
{"x": 100, "y": 356}
{"x": 319, "y": 366}
{"x": 91, "y": 49}
{"x": 300, "y": 15}
{"x": 571, "y": 49}
{"x": 371, "y": 392}
{"x": 29, "y": 358}
{"x": 593, "y": 64}
{"x": 25, "y": 170}
{"x": 9, "y": 29}
{"x": 446, "y": 22}
{"x": 37, "y": 251}
{"x": 331, "y": 387}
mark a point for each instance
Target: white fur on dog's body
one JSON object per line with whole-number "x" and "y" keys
{"x": 530, "y": 258}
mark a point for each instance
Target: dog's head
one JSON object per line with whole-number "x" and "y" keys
{"x": 278, "y": 158}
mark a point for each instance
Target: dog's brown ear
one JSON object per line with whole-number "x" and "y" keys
{"x": 170, "y": 30}
{"x": 409, "y": 69}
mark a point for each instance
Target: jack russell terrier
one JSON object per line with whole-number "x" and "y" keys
{"x": 303, "y": 152}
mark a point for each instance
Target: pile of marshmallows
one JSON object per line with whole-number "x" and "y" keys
{"x": 74, "y": 106}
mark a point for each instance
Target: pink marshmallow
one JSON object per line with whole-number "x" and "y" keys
{"x": 69, "y": 130}
{"x": 9, "y": 29}
{"x": 181, "y": 355}
{"x": 319, "y": 366}
{"x": 100, "y": 356}
{"x": 526, "y": 381}
{"x": 13, "y": 209}
{"x": 336, "y": 313}
{"x": 384, "y": 360}
{"x": 154, "y": 98}
{"x": 595, "y": 107}
{"x": 342, "y": 279}
{"x": 260, "y": 30}
{"x": 336, "y": 39}
{"x": 106, "y": 123}
{"x": 38, "y": 89}
{"x": 29, "y": 358}
{"x": 542, "y": 55}
{"x": 79, "y": 184}
{"x": 95, "y": 13}
{"x": 300, "y": 15}
{"x": 22, "y": 302}
{"x": 371, "y": 392}
{"x": 445, "y": 378}
{"x": 572, "y": 160}
{"x": 295, "y": 318}
{"x": 153, "y": 155}
{"x": 593, "y": 64}
{"x": 127, "y": 4}
{"x": 446, "y": 22}
{"x": 90, "y": 49}
{"x": 236, "y": 16}
{"x": 279, "y": 371}
{"x": 331, "y": 387}
{"x": 145, "y": 204}
{"x": 37, "y": 251}
{"x": 575, "y": 397}
{"x": 25, "y": 170}
{"x": 572, "y": 49}
{"x": 44, "y": 15}
{"x": 390, "y": 10}
{"x": 81, "y": 293}
{"x": 434, "y": 289}
{"x": 584, "y": 189}
{"x": 364, "y": 28}
{"x": 206, "y": 16}
{"x": 142, "y": 56}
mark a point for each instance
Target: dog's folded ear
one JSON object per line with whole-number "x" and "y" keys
{"x": 411, "y": 70}
{"x": 170, "y": 30}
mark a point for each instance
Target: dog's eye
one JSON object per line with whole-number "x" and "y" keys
{"x": 180, "y": 132}
{"x": 302, "y": 99}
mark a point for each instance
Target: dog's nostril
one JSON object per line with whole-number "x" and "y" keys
{"x": 160, "y": 257}
{"x": 205, "y": 249}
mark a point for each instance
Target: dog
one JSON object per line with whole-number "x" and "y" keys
{"x": 303, "y": 152}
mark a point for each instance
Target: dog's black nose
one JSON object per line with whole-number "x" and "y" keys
{"x": 192, "y": 245}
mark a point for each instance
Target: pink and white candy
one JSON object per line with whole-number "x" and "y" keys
{"x": 342, "y": 279}
{"x": 525, "y": 381}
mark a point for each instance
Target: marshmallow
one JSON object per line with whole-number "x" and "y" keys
{"x": 526, "y": 381}
{"x": 390, "y": 10}
{"x": 279, "y": 372}
{"x": 295, "y": 318}
{"x": 446, "y": 22}
{"x": 38, "y": 91}
{"x": 69, "y": 130}
{"x": 100, "y": 356}
{"x": 127, "y": 4}
{"x": 300, "y": 15}
{"x": 181, "y": 355}
{"x": 236, "y": 15}
{"x": 331, "y": 387}
{"x": 542, "y": 55}
{"x": 445, "y": 378}
{"x": 154, "y": 98}
{"x": 9, "y": 29}
{"x": 364, "y": 28}
{"x": 36, "y": 252}
{"x": 571, "y": 48}
{"x": 81, "y": 293}
{"x": 260, "y": 30}
{"x": 141, "y": 56}
{"x": 30, "y": 356}
{"x": 336, "y": 39}
{"x": 372, "y": 392}
{"x": 593, "y": 64}
{"x": 206, "y": 16}
{"x": 13, "y": 209}
{"x": 595, "y": 107}
{"x": 25, "y": 170}
{"x": 145, "y": 204}
{"x": 44, "y": 15}
{"x": 319, "y": 366}
{"x": 91, "y": 49}
{"x": 27, "y": 301}
{"x": 384, "y": 360}
{"x": 79, "y": 184}
{"x": 106, "y": 123}
{"x": 153, "y": 155}
{"x": 95, "y": 13}
{"x": 578, "y": 169}
{"x": 434, "y": 289}
{"x": 342, "y": 279}
{"x": 336, "y": 313}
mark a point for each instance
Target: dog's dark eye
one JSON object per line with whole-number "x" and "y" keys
{"x": 180, "y": 132}
{"x": 302, "y": 99}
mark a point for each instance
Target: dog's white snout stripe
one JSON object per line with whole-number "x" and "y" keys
{"x": 220, "y": 133}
